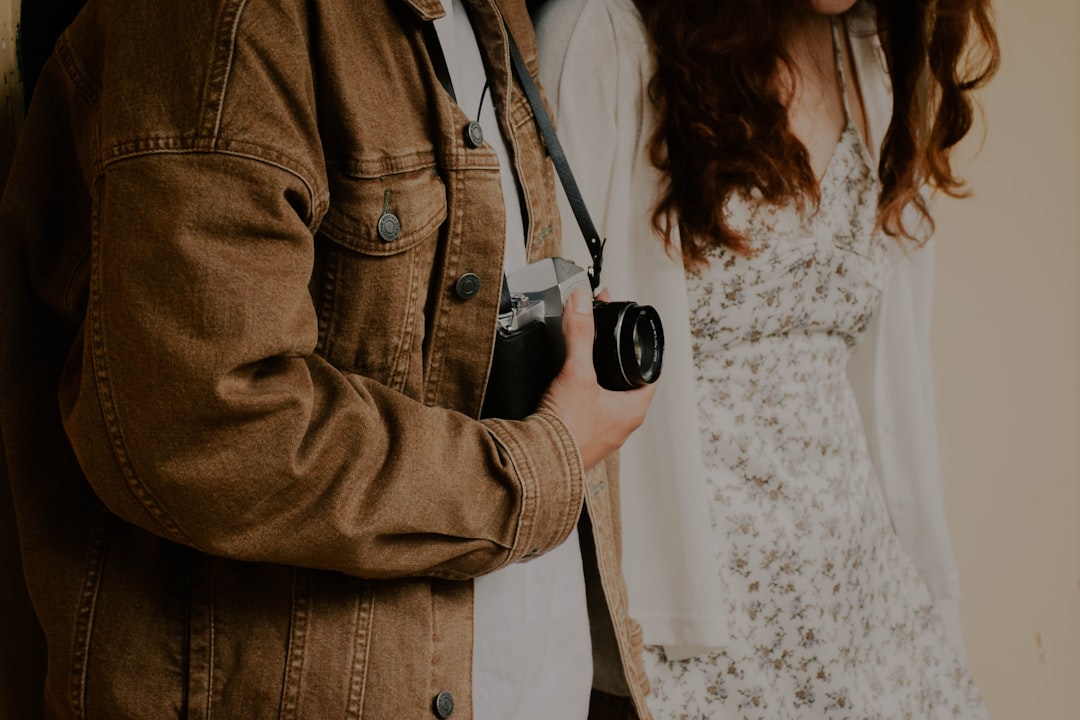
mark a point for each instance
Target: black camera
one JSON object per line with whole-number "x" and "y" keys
{"x": 628, "y": 344}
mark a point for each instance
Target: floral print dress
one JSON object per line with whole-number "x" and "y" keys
{"x": 828, "y": 616}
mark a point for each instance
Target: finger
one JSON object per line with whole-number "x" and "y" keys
{"x": 603, "y": 295}
{"x": 578, "y": 330}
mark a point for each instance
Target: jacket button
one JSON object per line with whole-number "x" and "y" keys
{"x": 444, "y": 705}
{"x": 389, "y": 227}
{"x": 474, "y": 134}
{"x": 467, "y": 286}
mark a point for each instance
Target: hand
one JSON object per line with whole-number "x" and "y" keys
{"x": 600, "y": 420}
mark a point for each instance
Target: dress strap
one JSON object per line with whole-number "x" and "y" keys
{"x": 841, "y": 73}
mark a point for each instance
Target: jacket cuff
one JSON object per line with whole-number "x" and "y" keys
{"x": 552, "y": 477}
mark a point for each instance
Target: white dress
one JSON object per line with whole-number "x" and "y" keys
{"x": 827, "y": 615}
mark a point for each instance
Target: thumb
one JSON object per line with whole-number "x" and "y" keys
{"x": 578, "y": 330}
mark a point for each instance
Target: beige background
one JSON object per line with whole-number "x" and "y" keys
{"x": 1007, "y": 341}
{"x": 11, "y": 98}
{"x": 1007, "y": 348}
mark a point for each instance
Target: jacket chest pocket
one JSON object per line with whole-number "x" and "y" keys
{"x": 375, "y": 250}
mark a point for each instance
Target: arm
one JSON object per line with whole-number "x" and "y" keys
{"x": 580, "y": 90}
{"x": 195, "y": 401}
{"x": 200, "y": 411}
{"x": 596, "y": 63}
{"x": 892, "y": 374}
{"x": 893, "y": 378}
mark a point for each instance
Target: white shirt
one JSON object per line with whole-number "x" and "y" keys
{"x": 532, "y": 654}
{"x": 595, "y": 63}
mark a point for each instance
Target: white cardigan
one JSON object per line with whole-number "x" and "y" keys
{"x": 595, "y": 66}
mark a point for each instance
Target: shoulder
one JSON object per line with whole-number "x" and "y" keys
{"x": 588, "y": 15}
{"x": 234, "y": 76}
{"x": 606, "y": 37}
{"x": 602, "y": 28}
{"x": 161, "y": 69}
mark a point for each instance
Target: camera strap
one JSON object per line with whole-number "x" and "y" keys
{"x": 551, "y": 141}
{"x": 558, "y": 159}
{"x": 438, "y": 59}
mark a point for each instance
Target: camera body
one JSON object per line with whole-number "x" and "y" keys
{"x": 530, "y": 349}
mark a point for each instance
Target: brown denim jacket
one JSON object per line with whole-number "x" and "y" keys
{"x": 240, "y": 377}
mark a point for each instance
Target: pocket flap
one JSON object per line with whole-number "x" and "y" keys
{"x": 416, "y": 199}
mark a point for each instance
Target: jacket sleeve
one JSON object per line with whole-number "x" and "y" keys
{"x": 893, "y": 379}
{"x": 892, "y": 372}
{"x": 199, "y": 411}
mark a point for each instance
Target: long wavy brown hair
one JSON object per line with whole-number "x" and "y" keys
{"x": 723, "y": 124}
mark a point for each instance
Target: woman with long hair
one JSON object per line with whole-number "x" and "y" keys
{"x": 760, "y": 170}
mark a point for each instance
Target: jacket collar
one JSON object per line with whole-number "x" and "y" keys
{"x": 426, "y": 10}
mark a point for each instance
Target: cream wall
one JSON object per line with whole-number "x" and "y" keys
{"x": 11, "y": 97}
{"x": 1007, "y": 349}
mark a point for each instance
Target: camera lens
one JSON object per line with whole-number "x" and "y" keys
{"x": 628, "y": 348}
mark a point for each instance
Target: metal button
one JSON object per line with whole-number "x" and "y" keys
{"x": 467, "y": 286}
{"x": 444, "y": 705}
{"x": 389, "y": 227}
{"x": 474, "y": 134}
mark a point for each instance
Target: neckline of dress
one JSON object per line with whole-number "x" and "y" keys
{"x": 849, "y": 121}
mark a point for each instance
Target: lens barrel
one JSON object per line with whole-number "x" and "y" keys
{"x": 628, "y": 347}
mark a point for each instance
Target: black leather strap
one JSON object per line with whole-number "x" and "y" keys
{"x": 438, "y": 59}
{"x": 558, "y": 159}
{"x": 547, "y": 130}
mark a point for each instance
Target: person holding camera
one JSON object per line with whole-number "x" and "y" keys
{"x": 759, "y": 169}
{"x": 251, "y": 257}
